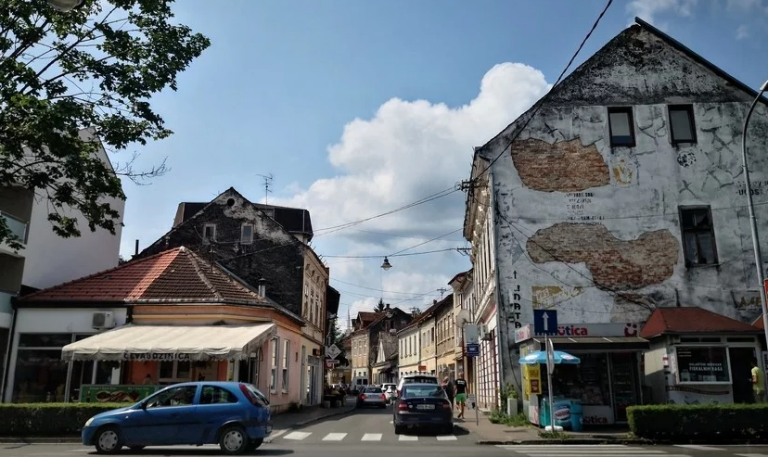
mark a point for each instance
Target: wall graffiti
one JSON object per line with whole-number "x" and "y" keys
{"x": 544, "y": 297}
{"x": 516, "y": 309}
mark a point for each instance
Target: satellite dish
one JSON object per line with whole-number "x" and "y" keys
{"x": 462, "y": 317}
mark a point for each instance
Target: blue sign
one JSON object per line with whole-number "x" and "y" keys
{"x": 545, "y": 322}
{"x": 473, "y": 349}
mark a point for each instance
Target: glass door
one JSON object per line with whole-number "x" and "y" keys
{"x": 623, "y": 379}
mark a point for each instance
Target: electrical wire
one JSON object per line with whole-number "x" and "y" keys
{"x": 380, "y": 256}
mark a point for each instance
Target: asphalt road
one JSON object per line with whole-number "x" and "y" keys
{"x": 369, "y": 433}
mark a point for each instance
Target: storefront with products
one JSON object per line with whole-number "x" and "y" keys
{"x": 698, "y": 356}
{"x": 605, "y": 383}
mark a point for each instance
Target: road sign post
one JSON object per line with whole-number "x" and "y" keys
{"x": 550, "y": 348}
{"x": 332, "y": 351}
{"x": 545, "y": 322}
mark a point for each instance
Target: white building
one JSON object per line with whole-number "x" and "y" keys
{"x": 47, "y": 259}
{"x": 621, "y": 193}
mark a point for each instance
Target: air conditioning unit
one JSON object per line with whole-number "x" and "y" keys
{"x": 103, "y": 320}
{"x": 483, "y": 332}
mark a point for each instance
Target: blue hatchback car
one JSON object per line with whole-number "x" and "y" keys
{"x": 234, "y": 415}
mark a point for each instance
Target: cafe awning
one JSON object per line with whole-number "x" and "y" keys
{"x": 172, "y": 342}
{"x": 602, "y": 343}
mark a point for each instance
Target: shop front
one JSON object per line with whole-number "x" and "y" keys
{"x": 605, "y": 383}
{"x": 698, "y": 356}
{"x": 140, "y": 358}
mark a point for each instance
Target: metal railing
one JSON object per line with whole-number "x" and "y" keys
{"x": 17, "y": 226}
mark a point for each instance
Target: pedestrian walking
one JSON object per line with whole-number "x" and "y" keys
{"x": 460, "y": 385}
{"x": 448, "y": 387}
{"x": 758, "y": 382}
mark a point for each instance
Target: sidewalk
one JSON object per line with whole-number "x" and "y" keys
{"x": 490, "y": 433}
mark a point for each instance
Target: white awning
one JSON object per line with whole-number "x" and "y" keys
{"x": 172, "y": 342}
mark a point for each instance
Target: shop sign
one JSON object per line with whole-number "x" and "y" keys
{"x": 604, "y": 330}
{"x": 594, "y": 420}
{"x": 523, "y": 333}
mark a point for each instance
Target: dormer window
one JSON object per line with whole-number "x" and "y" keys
{"x": 246, "y": 234}
{"x": 209, "y": 232}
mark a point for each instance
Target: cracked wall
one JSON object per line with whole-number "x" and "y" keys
{"x": 565, "y": 166}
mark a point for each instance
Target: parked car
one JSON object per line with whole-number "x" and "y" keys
{"x": 423, "y": 405}
{"x": 234, "y": 415}
{"x": 372, "y": 396}
{"x": 390, "y": 390}
{"x": 415, "y": 379}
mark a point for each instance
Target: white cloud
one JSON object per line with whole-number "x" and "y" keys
{"x": 649, "y": 9}
{"x": 742, "y": 32}
{"x": 406, "y": 151}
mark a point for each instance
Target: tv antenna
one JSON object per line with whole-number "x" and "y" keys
{"x": 267, "y": 183}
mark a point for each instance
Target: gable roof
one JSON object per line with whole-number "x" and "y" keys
{"x": 426, "y": 314}
{"x": 622, "y": 50}
{"x": 691, "y": 320}
{"x": 231, "y": 192}
{"x": 177, "y": 275}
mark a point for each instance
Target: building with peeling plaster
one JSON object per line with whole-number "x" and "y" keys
{"x": 623, "y": 193}
{"x": 267, "y": 248}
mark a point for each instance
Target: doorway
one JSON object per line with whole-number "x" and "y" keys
{"x": 741, "y": 377}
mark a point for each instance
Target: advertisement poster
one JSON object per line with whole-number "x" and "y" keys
{"x": 115, "y": 393}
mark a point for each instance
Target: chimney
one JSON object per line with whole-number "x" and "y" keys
{"x": 137, "y": 247}
{"x": 387, "y": 307}
{"x": 434, "y": 302}
{"x": 263, "y": 287}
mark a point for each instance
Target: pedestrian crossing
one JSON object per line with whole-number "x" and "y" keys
{"x": 298, "y": 436}
{"x": 620, "y": 450}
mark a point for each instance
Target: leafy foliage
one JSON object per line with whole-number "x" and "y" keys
{"x": 48, "y": 419}
{"x": 711, "y": 423}
{"x": 92, "y": 68}
{"x": 380, "y": 306}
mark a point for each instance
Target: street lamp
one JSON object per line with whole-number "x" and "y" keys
{"x": 752, "y": 219}
{"x": 65, "y": 5}
{"x": 386, "y": 265}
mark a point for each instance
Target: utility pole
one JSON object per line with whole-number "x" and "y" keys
{"x": 442, "y": 291}
{"x": 267, "y": 184}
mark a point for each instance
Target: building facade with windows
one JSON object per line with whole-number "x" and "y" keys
{"x": 621, "y": 193}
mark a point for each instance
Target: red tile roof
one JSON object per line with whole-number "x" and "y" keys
{"x": 174, "y": 276}
{"x": 692, "y": 320}
{"x": 758, "y": 322}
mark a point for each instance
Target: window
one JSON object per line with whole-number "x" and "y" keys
{"x": 682, "y": 125}
{"x": 213, "y": 395}
{"x": 286, "y": 361}
{"x": 622, "y": 126}
{"x": 246, "y": 234}
{"x": 273, "y": 365}
{"x": 173, "y": 372}
{"x": 703, "y": 365}
{"x": 698, "y": 236}
{"x": 175, "y": 396}
{"x": 209, "y": 232}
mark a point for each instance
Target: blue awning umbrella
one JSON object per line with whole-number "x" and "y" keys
{"x": 560, "y": 357}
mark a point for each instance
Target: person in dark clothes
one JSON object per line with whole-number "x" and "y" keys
{"x": 460, "y": 385}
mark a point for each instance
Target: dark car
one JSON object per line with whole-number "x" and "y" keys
{"x": 423, "y": 405}
{"x": 234, "y": 415}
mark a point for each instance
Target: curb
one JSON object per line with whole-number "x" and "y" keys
{"x": 325, "y": 416}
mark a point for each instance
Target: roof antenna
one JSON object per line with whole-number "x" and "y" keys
{"x": 267, "y": 183}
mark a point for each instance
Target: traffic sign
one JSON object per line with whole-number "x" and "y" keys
{"x": 332, "y": 351}
{"x": 473, "y": 350}
{"x": 545, "y": 321}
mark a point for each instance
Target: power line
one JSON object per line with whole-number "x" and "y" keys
{"x": 372, "y": 288}
{"x": 380, "y": 256}
{"x": 541, "y": 101}
{"x": 425, "y": 242}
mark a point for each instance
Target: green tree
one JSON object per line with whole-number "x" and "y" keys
{"x": 94, "y": 67}
{"x": 335, "y": 334}
{"x": 380, "y": 306}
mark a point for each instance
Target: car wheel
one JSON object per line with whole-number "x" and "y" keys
{"x": 254, "y": 444}
{"x": 398, "y": 429}
{"x": 448, "y": 429}
{"x": 136, "y": 448}
{"x": 233, "y": 440}
{"x": 108, "y": 440}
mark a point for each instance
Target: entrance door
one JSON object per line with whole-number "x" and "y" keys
{"x": 741, "y": 374}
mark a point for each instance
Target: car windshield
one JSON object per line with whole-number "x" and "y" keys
{"x": 423, "y": 391}
{"x": 373, "y": 390}
{"x": 421, "y": 380}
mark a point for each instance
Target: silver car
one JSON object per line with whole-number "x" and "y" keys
{"x": 372, "y": 396}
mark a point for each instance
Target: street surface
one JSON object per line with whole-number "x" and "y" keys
{"x": 370, "y": 433}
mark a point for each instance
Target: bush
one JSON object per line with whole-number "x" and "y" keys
{"x": 48, "y": 419}
{"x": 701, "y": 423}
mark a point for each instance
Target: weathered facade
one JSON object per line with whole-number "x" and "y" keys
{"x": 623, "y": 193}
{"x": 445, "y": 335}
{"x": 365, "y": 341}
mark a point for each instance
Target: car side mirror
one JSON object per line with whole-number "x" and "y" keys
{"x": 143, "y": 405}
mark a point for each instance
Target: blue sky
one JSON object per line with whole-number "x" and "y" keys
{"x": 359, "y": 107}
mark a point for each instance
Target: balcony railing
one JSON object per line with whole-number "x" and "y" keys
{"x": 17, "y": 226}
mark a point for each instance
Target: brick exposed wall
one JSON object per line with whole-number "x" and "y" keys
{"x": 565, "y": 166}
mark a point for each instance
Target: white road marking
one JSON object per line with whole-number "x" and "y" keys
{"x": 697, "y": 447}
{"x": 371, "y": 437}
{"x": 446, "y": 438}
{"x": 752, "y": 455}
{"x": 576, "y": 450}
{"x": 334, "y": 437}
{"x": 298, "y": 436}
{"x": 408, "y": 438}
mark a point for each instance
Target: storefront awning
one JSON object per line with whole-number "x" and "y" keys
{"x": 603, "y": 343}
{"x": 171, "y": 342}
